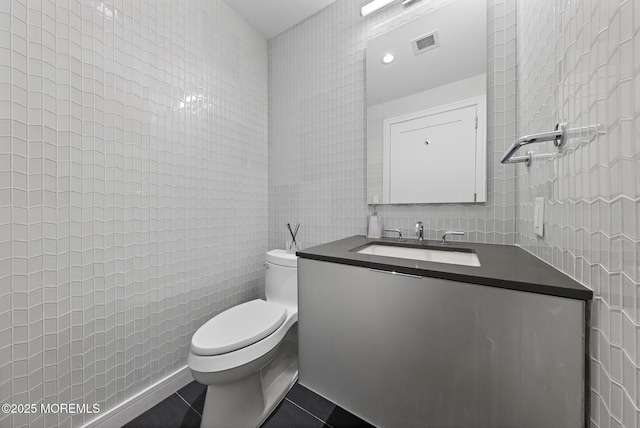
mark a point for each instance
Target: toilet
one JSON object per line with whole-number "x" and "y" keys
{"x": 248, "y": 355}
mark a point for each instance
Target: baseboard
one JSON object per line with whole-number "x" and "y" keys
{"x": 142, "y": 401}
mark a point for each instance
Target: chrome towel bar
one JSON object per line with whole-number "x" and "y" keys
{"x": 558, "y": 136}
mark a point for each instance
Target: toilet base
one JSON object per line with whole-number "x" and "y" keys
{"x": 248, "y": 402}
{"x": 234, "y": 404}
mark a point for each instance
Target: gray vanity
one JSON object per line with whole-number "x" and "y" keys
{"x": 404, "y": 343}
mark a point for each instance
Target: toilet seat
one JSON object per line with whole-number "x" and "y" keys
{"x": 238, "y": 327}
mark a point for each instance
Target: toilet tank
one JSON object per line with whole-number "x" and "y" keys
{"x": 281, "y": 277}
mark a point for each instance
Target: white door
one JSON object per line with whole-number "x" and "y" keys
{"x": 433, "y": 157}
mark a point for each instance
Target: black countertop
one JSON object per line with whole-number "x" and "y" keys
{"x": 503, "y": 266}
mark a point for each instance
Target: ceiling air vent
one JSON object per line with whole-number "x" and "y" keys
{"x": 425, "y": 43}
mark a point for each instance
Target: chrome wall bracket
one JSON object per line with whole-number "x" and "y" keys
{"x": 559, "y": 137}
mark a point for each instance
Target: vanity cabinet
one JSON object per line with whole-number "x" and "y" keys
{"x": 410, "y": 351}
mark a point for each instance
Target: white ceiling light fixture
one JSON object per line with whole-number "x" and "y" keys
{"x": 388, "y": 58}
{"x": 374, "y": 6}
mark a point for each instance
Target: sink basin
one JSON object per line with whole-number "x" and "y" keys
{"x": 450, "y": 256}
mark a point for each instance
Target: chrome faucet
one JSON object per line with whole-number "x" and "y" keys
{"x": 450, "y": 232}
{"x": 400, "y": 238}
{"x": 420, "y": 231}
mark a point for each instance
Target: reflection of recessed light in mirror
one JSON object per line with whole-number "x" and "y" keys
{"x": 388, "y": 58}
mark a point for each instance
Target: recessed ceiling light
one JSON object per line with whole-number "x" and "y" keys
{"x": 388, "y": 58}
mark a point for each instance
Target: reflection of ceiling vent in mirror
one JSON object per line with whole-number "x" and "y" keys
{"x": 425, "y": 43}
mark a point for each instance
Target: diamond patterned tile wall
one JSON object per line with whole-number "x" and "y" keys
{"x": 317, "y": 129}
{"x": 133, "y": 191}
{"x": 580, "y": 62}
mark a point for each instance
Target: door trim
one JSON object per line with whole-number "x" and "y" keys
{"x": 480, "y": 102}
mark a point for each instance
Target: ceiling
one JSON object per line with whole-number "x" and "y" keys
{"x": 462, "y": 29}
{"x": 271, "y": 17}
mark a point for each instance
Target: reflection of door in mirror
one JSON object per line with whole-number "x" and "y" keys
{"x": 426, "y": 79}
{"x": 432, "y": 155}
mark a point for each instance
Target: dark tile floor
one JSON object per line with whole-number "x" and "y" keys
{"x": 301, "y": 408}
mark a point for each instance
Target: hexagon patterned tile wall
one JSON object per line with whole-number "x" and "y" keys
{"x": 579, "y": 61}
{"x": 133, "y": 173}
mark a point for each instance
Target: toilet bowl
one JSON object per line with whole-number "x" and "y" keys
{"x": 248, "y": 355}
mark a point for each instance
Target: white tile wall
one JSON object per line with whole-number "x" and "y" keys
{"x": 580, "y": 62}
{"x": 133, "y": 191}
{"x": 317, "y": 129}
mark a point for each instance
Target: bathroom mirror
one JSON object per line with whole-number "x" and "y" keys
{"x": 426, "y": 108}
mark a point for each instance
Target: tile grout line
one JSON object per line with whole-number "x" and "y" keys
{"x": 182, "y": 398}
{"x": 306, "y": 411}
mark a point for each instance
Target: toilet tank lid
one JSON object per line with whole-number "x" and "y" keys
{"x": 282, "y": 258}
{"x": 240, "y": 326}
